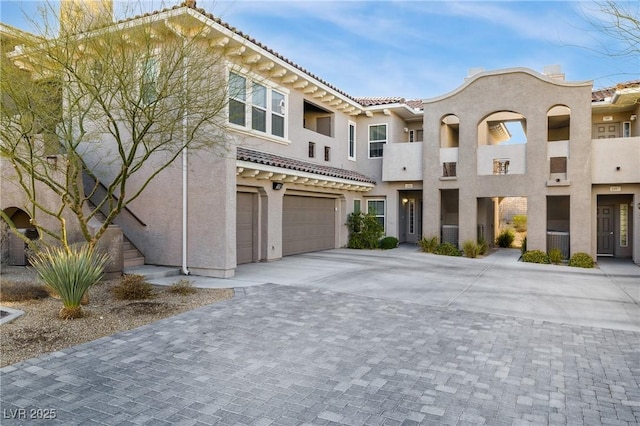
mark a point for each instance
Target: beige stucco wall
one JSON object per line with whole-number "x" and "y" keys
{"x": 531, "y": 95}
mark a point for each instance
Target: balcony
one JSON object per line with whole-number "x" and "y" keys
{"x": 502, "y": 159}
{"x": 402, "y": 162}
{"x": 615, "y": 160}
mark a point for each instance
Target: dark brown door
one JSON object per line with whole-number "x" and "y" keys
{"x": 245, "y": 234}
{"x": 605, "y": 231}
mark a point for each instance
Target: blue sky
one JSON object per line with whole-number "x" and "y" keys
{"x": 415, "y": 49}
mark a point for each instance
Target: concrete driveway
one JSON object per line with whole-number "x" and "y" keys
{"x": 608, "y": 296}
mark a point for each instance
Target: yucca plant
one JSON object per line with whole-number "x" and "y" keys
{"x": 69, "y": 273}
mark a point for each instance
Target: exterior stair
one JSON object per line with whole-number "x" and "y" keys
{"x": 132, "y": 256}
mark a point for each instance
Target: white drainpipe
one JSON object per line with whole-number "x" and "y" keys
{"x": 185, "y": 170}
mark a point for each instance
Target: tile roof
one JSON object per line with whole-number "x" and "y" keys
{"x": 265, "y": 158}
{"x": 377, "y": 101}
{"x": 191, "y": 4}
{"x": 601, "y": 94}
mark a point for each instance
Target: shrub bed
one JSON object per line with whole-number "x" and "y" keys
{"x": 581, "y": 260}
{"x": 535, "y": 256}
{"x": 447, "y": 249}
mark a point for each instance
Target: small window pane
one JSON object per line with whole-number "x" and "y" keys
{"x": 259, "y": 95}
{"x": 258, "y": 119}
{"x": 237, "y": 113}
{"x": 356, "y": 206}
{"x": 277, "y": 103}
{"x": 277, "y": 125}
{"x": 376, "y": 149}
{"x": 378, "y": 133}
{"x": 237, "y": 87}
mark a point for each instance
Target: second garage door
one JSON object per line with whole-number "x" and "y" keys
{"x": 308, "y": 224}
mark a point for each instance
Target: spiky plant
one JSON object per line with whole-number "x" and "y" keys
{"x": 70, "y": 272}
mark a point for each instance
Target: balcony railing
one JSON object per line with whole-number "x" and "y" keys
{"x": 500, "y": 166}
{"x": 449, "y": 169}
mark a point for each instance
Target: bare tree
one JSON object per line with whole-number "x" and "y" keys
{"x": 93, "y": 111}
{"x": 618, "y": 21}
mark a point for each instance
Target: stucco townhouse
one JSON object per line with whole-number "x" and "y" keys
{"x": 305, "y": 154}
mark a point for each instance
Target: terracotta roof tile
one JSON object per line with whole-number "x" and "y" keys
{"x": 267, "y": 159}
{"x": 600, "y": 95}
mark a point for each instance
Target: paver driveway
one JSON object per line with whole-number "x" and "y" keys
{"x": 279, "y": 354}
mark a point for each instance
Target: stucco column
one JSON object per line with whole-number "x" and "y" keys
{"x": 273, "y": 223}
{"x": 537, "y": 222}
{"x": 431, "y": 206}
{"x": 467, "y": 216}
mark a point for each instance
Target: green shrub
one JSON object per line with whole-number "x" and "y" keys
{"x": 183, "y": 287}
{"x": 19, "y": 291}
{"x": 505, "y": 238}
{"x": 69, "y": 273}
{"x": 555, "y": 256}
{"x": 447, "y": 249}
{"x": 535, "y": 256}
{"x": 581, "y": 260}
{"x": 523, "y": 247}
{"x": 483, "y": 247}
{"x": 364, "y": 231}
{"x": 428, "y": 245}
{"x": 132, "y": 287}
{"x": 389, "y": 243}
{"x": 470, "y": 248}
{"x": 519, "y": 222}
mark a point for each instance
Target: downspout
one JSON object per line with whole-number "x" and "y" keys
{"x": 185, "y": 168}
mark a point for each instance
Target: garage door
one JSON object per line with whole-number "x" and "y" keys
{"x": 244, "y": 227}
{"x": 308, "y": 224}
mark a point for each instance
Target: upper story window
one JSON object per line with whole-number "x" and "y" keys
{"x": 312, "y": 149}
{"x": 351, "y": 141}
{"x": 256, "y": 106}
{"x": 416, "y": 135}
{"x": 377, "y": 139}
{"x": 327, "y": 153}
{"x": 150, "y": 74}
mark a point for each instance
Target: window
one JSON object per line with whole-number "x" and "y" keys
{"x": 449, "y": 169}
{"x": 352, "y": 141}
{"x": 237, "y": 99}
{"x": 312, "y": 149}
{"x": 558, "y": 165}
{"x": 376, "y": 207}
{"x": 357, "y": 206}
{"x": 265, "y": 108}
{"x": 259, "y": 107}
{"x": 327, "y": 153}
{"x": 416, "y": 135}
{"x": 150, "y": 74}
{"x": 624, "y": 225}
{"x": 377, "y": 139}
{"x": 500, "y": 166}
{"x": 412, "y": 216}
{"x": 626, "y": 129}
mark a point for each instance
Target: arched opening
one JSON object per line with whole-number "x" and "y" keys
{"x": 558, "y": 123}
{"x": 558, "y": 135}
{"x": 502, "y": 136}
{"x": 13, "y": 247}
{"x": 449, "y": 143}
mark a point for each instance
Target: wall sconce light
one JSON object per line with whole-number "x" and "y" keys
{"x": 406, "y": 130}
{"x": 277, "y": 186}
{"x": 633, "y": 117}
{"x": 405, "y": 200}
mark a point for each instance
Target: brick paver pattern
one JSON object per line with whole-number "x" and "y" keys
{"x": 289, "y": 356}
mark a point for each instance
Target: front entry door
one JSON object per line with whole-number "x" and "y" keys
{"x": 605, "y": 231}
